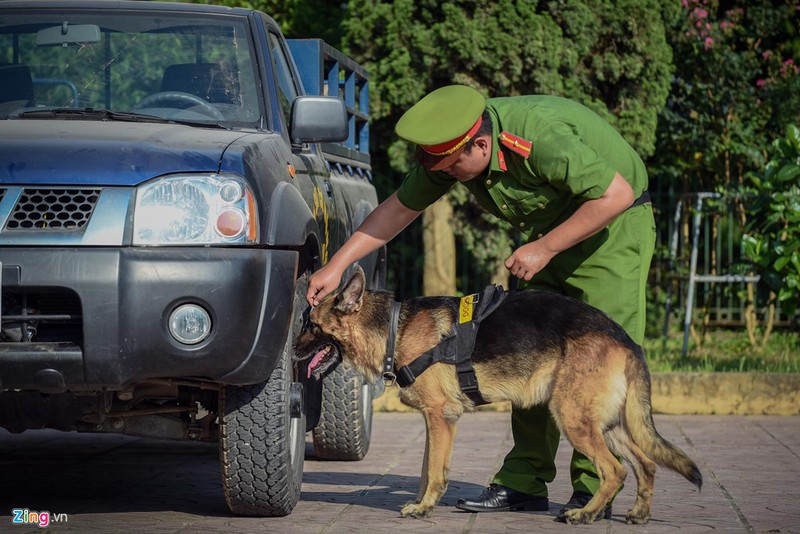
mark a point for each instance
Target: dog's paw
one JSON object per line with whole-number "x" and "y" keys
{"x": 633, "y": 518}
{"x": 579, "y": 517}
{"x": 416, "y": 510}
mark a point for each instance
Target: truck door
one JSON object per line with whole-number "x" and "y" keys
{"x": 309, "y": 168}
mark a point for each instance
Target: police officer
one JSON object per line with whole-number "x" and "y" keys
{"x": 576, "y": 190}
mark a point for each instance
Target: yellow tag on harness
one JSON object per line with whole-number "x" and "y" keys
{"x": 465, "y": 308}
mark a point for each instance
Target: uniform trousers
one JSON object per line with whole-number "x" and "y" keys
{"x": 609, "y": 271}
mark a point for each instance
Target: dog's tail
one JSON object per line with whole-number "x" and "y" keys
{"x": 639, "y": 418}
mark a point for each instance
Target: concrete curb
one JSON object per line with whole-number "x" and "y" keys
{"x": 691, "y": 394}
{"x": 726, "y": 393}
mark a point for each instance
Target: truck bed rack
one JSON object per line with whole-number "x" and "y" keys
{"x": 323, "y": 67}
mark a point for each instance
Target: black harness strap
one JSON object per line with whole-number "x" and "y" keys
{"x": 391, "y": 340}
{"x": 458, "y": 346}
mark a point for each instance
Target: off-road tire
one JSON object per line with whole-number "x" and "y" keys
{"x": 262, "y": 444}
{"x": 345, "y": 425}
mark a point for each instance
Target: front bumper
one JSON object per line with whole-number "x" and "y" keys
{"x": 124, "y": 297}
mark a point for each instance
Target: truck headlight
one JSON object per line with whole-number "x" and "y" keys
{"x": 195, "y": 210}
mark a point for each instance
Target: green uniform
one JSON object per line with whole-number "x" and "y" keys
{"x": 549, "y": 155}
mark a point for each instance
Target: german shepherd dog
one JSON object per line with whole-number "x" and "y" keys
{"x": 537, "y": 347}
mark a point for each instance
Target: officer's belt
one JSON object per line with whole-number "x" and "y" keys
{"x": 644, "y": 198}
{"x": 455, "y": 349}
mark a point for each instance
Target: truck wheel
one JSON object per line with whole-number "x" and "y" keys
{"x": 345, "y": 423}
{"x": 262, "y": 443}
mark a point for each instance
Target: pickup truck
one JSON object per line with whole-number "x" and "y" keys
{"x": 170, "y": 174}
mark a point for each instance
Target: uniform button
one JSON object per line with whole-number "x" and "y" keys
{"x": 540, "y": 236}
{"x": 503, "y": 207}
{"x": 540, "y": 205}
{"x": 522, "y": 225}
{"x": 488, "y": 182}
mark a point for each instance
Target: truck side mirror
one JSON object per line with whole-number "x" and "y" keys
{"x": 316, "y": 119}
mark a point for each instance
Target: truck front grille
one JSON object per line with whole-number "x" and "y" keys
{"x": 38, "y": 316}
{"x": 53, "y": 209}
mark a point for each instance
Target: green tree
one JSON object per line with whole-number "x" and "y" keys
{"x": 610, "y": 55}
{"x": 299, "y": 19}
{"x": 736, "y": 87}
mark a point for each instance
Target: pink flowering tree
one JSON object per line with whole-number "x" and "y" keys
{"x": 736, "y": 87}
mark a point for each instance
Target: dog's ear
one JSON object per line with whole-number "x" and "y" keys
{"x": 350, "y": 298}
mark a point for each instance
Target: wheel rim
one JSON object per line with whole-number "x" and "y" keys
{"x": 366, "y": 408}
{"x": 297, "y": 441}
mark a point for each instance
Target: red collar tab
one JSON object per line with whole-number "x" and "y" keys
{"x": 501, "y": 161}
{"x": 517, "y": 144}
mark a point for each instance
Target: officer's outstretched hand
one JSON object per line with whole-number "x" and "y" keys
{"x": 529, "y": 259}
{"x": 323, "y": 282}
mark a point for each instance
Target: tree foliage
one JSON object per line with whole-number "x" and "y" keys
{"x": 610, "y": 55}
{"x": 736, "y": 87}
{"x": 299, "y": 19}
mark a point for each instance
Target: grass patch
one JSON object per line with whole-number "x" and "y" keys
{"x": 725, "y": 350}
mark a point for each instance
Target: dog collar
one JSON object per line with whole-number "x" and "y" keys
{"x": 388, "y": 361}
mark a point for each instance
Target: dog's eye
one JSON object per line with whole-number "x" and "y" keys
{"x": 305, "y": 318}
{"x": 314, "y": 328}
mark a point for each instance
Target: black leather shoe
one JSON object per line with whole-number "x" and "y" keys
{"x": 497, "y": 498}
{"x": 579, "y": 500}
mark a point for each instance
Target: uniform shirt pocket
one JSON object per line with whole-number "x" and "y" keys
{"x": 534, "y": 208}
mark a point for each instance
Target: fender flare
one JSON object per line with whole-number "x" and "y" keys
{"x": 290, "y": 221}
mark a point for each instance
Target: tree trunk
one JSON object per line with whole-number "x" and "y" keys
{"x": 773, "y": 298}
{"x": 750, "y": 318}
{"x": 439, "y": 276}
{"x": 501, "y": 276}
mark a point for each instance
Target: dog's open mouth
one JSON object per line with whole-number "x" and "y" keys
{"x": 323, "y": 357}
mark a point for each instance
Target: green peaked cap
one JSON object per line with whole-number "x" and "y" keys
{"x": 442, "y": 115}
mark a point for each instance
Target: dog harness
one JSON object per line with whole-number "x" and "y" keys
{"x": 455, "y": 349}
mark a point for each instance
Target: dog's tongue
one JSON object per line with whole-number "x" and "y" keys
{"x": 314, "y": 361}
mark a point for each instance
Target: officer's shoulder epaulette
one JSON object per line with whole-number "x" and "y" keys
{"x": 516, "y": 143}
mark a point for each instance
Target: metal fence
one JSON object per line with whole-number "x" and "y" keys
{"x": 707, "y": 271}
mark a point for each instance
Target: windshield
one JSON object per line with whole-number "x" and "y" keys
{"x": 176, "y": 66}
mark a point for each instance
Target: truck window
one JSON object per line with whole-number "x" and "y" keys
{"x": 116, "y": 61}
{"x": 286, "y": 87}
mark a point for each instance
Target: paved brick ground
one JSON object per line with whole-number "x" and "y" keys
{"x": 107, "y": 483}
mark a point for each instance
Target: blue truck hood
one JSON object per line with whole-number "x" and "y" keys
{"x": 73, "y": 152}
